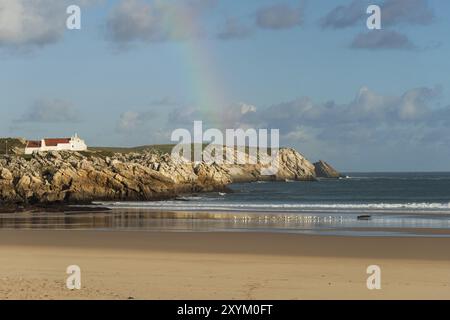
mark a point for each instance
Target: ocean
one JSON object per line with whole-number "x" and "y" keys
{"x": 362, "y": 204}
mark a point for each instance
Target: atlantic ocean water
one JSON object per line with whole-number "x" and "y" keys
{"x": 361, "y": 204}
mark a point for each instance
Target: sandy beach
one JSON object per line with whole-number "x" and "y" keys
{"x": 147, "y": 265}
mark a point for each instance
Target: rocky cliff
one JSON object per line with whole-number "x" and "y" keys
{"x": 324, "y": 170}
{"x": 70, "y": 177}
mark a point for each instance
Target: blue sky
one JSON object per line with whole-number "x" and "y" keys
{"x": 364, "y": 101}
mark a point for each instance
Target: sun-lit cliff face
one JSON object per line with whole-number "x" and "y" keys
{"x": 72, "y": 177}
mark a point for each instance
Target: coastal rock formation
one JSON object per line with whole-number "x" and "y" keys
{"x": 71, "y": 177}
{"x": 324, "y": 170}
{"x": 294, "y": 166}
{"x": 291, "y": 165}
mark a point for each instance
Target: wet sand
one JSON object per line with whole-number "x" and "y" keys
{"x": 146, "y": 265}
{"x": 309, "y": 223}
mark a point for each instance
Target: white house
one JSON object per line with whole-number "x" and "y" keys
{"x": 60, "y": 144}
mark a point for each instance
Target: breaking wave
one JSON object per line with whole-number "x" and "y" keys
{"x": 292, "y": 207}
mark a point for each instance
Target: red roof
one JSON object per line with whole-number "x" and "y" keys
{"x": 34, "y": 144}
{"x": 55, "y": 142}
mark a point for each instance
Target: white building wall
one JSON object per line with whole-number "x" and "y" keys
{"x": 31, "y": 150}
{"x": 76, "y": 144}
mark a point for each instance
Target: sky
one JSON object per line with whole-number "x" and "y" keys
{"x": 363, "y": 100}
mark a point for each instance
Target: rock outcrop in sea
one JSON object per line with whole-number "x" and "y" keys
{"x": 324, "y": 170}
{"x": 71, "y": 177}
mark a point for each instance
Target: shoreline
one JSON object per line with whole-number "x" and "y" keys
{"x": 120, "y": 265}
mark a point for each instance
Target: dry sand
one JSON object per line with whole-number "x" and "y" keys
{"x": 144, "y": 265}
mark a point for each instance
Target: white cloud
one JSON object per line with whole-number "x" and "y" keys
{"x": 50, "y": 111}
{"x": 344, "y": 16}
{"x": 247, "y": 108}
{"x": 140, "y": 21}
{"x": 132, "y": 121}
{"x": 26, "y": 25}
{"x": 368, "y": 118}
{"x": 31, "y": 23}
{"x": 382, "y": 39}
{"x": 232, "y": 116}
{"x": 394, "y": 12}
{"x": 279, "y": 16}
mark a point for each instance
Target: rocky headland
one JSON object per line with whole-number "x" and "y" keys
{"x": 325, "y": 170}
{"x": 74, "y": 178}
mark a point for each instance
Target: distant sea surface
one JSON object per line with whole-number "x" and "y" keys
{"x": 361, "y": 192}
{"x": 362, "y": 204}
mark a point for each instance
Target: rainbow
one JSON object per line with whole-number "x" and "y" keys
{"x": 200, "y": 69}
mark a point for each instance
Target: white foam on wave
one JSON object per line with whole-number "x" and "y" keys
{"x": 181, "y": 205}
